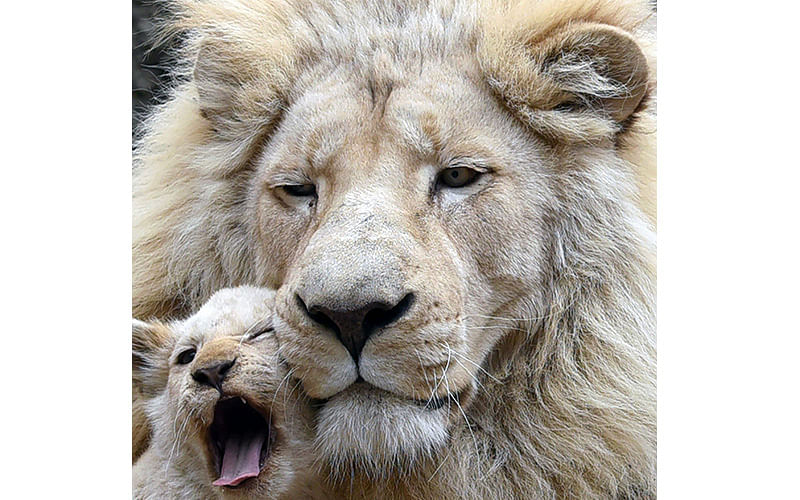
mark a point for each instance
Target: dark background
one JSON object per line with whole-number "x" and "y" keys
{"x": 149, "y": 64}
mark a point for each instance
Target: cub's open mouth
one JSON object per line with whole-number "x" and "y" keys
{"x": 239, "y": 440}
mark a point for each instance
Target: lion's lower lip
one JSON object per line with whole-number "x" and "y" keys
{"x": 436, "y": 402}
{"x": 433, "y": 403}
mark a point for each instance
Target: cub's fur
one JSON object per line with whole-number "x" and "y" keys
{"x": 454, "y": 203}
{"x": 234, "y": 326}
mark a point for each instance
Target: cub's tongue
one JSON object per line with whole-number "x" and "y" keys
{"x": 240, "y": 457}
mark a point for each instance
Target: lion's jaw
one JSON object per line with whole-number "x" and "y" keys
{"x": 431, "y": 264}
{"x": 370, "y": 429}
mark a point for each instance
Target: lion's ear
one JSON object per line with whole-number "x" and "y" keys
{"x": 571, "y": 77}
{"x": 151, "y": 346}
{"x": 216, "y": 82}
{"x": 236, "y": 90}
{"x": 598, "y": 67}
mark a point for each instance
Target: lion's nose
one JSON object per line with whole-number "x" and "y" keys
{"x": 353, "y": 327}
{"x": 213, "y": 374}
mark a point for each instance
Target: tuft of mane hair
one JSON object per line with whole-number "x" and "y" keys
{"x": 567, "y": 408}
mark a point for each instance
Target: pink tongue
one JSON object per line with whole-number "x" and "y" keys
{"x": 240, "y": 458}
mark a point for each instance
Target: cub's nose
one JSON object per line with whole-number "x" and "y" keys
{"x": 353, "y": 327}
{"x": 213, "y": 374}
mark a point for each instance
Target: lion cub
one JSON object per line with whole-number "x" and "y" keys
{"x": 226, "y": 423}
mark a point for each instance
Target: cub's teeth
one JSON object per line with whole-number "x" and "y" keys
{"x": 243, "y": 401}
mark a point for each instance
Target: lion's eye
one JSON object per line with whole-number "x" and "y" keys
{"x": 299, "y": 190}
{"x": 186, "y": 356}
{"x": 458, "y": 177}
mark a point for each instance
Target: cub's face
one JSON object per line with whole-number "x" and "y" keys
{"x": 220, "y": 405}
{"x": 402, "y": 226}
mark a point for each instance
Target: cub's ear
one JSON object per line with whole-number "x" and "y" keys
{"x": 583, "y": 79}
{"x": 151, "y": 346}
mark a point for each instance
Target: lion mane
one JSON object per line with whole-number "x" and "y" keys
{"x": 566, "y": 406}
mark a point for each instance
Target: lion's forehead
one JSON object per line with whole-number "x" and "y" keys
{"x": 348, "y": 128}
{"x": 374, "y": 34}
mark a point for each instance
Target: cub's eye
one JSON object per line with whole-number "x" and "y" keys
{"x": 458, "y": 176}
{"x": 299, "y": 190}
{"x": 259, "y": 332}
{"x": 186, "y": 356}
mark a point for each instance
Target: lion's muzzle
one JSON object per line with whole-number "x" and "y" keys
{"x": 349, "y": 292}
{"x": 370, "y": 298}
{"x": 376, "y": 296}
{"x": 353, "y": 324}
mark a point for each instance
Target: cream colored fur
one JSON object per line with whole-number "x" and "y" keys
{"x": 234, "y": 324}
{"x": 533, "y": 316}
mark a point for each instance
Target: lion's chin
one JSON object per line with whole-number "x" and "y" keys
{"x": 377, "y": 432}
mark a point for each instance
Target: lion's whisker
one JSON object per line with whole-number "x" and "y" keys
{"x": 436, "y": 388}
{"x": 438, "y": 468}
{"x": 529, "y": 319}
{"x": 294, "y": 403}
{"x": 176, "y": 443}
{"x": 280, "y": 384}
{"x": 476, "y": 365}
{"x": 466, "y": 370}
{"x": 466, "y": 420}
{"x": 424, "y": 371}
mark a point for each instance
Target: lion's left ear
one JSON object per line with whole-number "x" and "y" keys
{"x": 598, "y": 66}
{"x": 570, "y": 77}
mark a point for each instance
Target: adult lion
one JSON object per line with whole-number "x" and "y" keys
{"x": 453, "y": 201}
